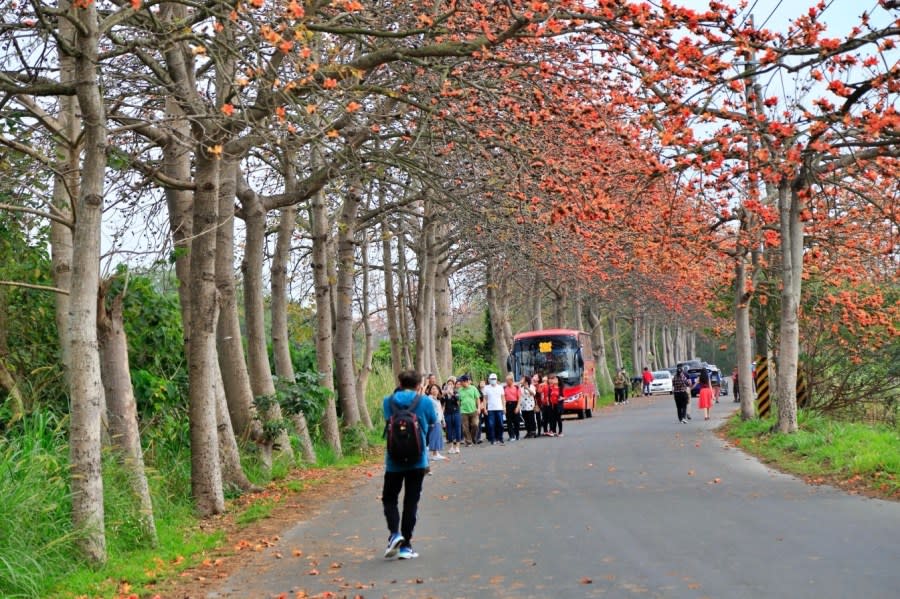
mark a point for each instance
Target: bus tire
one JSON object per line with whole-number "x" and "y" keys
{"x": 589, "y": 413}
{"x": 581, "y": 414}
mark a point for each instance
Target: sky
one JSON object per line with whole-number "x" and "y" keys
{"x": 841, "y": 15}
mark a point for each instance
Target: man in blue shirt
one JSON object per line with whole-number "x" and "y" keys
{"x": 411, "y": 475}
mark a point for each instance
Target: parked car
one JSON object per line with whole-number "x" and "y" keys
{"x": 662, "y": 382}
{"x": 716, "y": 374}
{"x": 714, "y": 378}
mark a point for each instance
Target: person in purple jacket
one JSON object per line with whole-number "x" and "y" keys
{"x": 410, "y": 476}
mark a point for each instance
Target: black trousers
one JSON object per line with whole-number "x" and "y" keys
{"x": 547, "y": 419}
{"x": 621, "y": 394}
{"x": 681, "y": 403}
{"x": 530, "y": 423}
{"x": 512, "y": 420}
{"x": 390, "y": 494}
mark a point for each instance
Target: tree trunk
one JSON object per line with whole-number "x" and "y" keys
{"x": 505, "y": 324}
{"x": 791, "y": 229}
{"x": 390, "y": 301}
{"x": 598, "y": 345}
{"x": 425, "y": 295}
{"x": 616, "y": 345}
{"x": 654, "y": 344}
{"x": 324, "y": 340}
{"x": 684, "y": 351}
{"x": 559, "y": 308}
{"x": 443, "y": 320}
{"x": 66, "y": 185}
{"x": 497, "y": 317}
{"x": 536, "y": 293}
{"x": 281, "y": 347}
{"x": 761, "y": 323}
{"x": 403, "y": 301}
{"x": 281, "y": 343}
{"x": 206, "y": 473}
{"x": 345, "y": 375}
{"x": 665, "y": 345}
{"x": 233, "y": 475}
{"x": 177, "y": 165}
{"x": 122, "y": 408}
{"x": 577, "y": 311}
{"x": 742, "y": 340}
{"x": 637, "y": 349}
{"x": 229, "y": 343}
{"x": 86, "y": 387}
{"x": 259, "y": 368}
{"x": 365, "y": 366}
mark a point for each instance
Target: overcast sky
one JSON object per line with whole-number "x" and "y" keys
{"x": 841, "y": 15}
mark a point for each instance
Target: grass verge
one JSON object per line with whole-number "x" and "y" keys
{"x": 858, "y": 458}
{"x": 196, "y": 552}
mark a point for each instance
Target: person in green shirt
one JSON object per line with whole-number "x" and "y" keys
{"x": 468, "y": 407}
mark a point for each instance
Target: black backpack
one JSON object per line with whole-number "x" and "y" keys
{"x": 404, "y": 444}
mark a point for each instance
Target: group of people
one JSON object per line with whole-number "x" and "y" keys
{"x": 464, "y": 409}
{"x": 458, "y": 408}
{"x": 681, "y": 389}
{"x": 621, "y": 384}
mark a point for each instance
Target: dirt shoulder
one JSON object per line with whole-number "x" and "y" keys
{"x": 244, "y": 540}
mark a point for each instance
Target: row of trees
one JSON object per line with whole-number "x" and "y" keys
{"x": 622, "y": 160}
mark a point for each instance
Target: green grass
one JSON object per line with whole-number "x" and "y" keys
{"x": 35, "y": 538}
{"x": 259, "y": 510}
{"x": 605, "y": 399}
{"x": 841, "y": 452}
{"x": 181, "y": 545}
{"x": 37, "y": 545}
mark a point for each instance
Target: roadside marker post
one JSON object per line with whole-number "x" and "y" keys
{"x": 762, "y": 388}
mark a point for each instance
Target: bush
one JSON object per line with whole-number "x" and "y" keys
{"x": 469, "y": 357}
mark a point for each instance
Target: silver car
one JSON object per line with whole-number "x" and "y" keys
{"x": 662, "y": 382}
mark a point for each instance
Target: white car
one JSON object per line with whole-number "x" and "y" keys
{"x": 662, "y": 382}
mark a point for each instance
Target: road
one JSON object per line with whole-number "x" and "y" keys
{"x": 630, "y": 503}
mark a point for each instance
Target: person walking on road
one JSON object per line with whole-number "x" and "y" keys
{"x": 647, "y": 378}
{"x": 398, "y": 476}
{"x": 468, "y": 407}
{"x": 512, "y": 395}
{"x": 493, "y": 394}
{"x": 680, "y": 386}
{"x": 620, "y": 383}
{"x": 705, "y": 398}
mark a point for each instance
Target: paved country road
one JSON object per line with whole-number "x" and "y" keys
{"x": 630, "y": 503}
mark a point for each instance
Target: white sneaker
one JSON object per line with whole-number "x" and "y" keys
{"x": 439, "y": 457}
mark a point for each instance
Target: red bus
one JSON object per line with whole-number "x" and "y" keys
{"x": 567, "y": 354}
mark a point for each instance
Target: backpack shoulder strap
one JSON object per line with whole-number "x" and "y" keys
{"x": 415, "y": 403}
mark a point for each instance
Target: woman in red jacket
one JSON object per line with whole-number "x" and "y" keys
{"x": 542, "y": 400}
{"x": 554, "y": 399}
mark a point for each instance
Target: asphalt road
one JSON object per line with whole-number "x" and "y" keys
{"x": 630, "y": 503}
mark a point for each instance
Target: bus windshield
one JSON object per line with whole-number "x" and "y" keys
{"x": 548, "y": 355}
